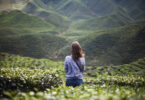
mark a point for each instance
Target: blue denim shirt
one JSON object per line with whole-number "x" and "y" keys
{"x": 71, "y": 68}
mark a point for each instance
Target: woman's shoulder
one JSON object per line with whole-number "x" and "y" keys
{"x": 67, "y": 57}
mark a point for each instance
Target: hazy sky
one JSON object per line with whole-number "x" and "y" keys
{"x": 5, "y": 4}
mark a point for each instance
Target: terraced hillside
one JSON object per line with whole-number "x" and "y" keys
{"x": 69, "y": 20}
{"x": 83, "y": 8}
{"x": 28, "y": 35}
{"x": 125, "y": 43}
{"x": 19, "y": 19}
{"x": 120, "y": 45}
{"x": 95, "y": 14}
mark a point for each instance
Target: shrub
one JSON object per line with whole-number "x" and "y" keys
{"x": 25, "y": 79}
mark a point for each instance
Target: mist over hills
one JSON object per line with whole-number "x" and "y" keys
{"x": 110, "y": 31}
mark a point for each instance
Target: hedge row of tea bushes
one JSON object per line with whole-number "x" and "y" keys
{"x": 25, "y": 79}
{"x": 129, "y": 80}
{"x": 27, "y": 74}
{"x": 84, "y": 92}
{"x": 135, "y": 68}
{"x": 14, "y": 61}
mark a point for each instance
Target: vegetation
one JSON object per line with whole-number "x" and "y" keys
{"x": 84, "y": 9}
{"x": 53, "y": 21}
{"x": 14, "y": 61}
{"x": 136, "y": 68}
{"x": 27, "y": 74}
{"x": 19, "y": 19}
{"x": 114, "y": 20}
{"x": 28, "y": 35}
{"x": 38, "y": 8}
{"x": 37, "y": 46}
{"x": 85, "y": 92}
{"x": 111, "y": 33}
{"x": 120, "y": 45}
{"x": 25, "y": 77}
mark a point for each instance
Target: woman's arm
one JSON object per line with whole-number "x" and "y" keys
{"x": 65, "y": 65}
{"x": 82, "y": 62}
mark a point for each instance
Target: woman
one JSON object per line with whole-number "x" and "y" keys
{"x": 74, "y": 65}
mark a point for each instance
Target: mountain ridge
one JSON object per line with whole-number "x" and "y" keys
{"x": 81, "y": 20}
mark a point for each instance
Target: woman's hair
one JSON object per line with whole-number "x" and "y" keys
{"x": 76, "y": 50}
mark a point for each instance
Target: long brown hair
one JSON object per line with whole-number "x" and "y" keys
{"x": 76, "y": 50}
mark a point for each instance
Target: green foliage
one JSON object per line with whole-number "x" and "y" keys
{"x": 38, "y": 8}
{"x": 110, "y": 21}
{"x": 27, "y": 74}
{"x": 14, "y": 61}
{"x": 136, "y": 68}
{"x": 28, "y": 35}
{"x": 37, "y": 46}
{"x": 84, "y": 9}
{"x": 19, "y": 19}
{"x": 25, "y": 77}
{"x": 115, "y": 46}
{"x": 120, "y": 80}
{"x": 85, "y": 92}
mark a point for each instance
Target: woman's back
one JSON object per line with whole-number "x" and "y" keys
{"x": 72, "y": 67}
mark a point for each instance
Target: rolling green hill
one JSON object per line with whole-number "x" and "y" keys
{"x": 19, "y": 19}
{"x": 100, "y": 7}
{"x": 38, "y": 8}
{"x": 110, "y": 21}
{"x": 134, "y": 8}
{"x": 97, "y": 28}
{"x": 115, "y": 46}
{"x": 76, "y": 10}
{"x": 28, "y": 35}
{"x": 97, "y": 14}
{"x": 38, "y": 45}
{"x": 19, "y": 23}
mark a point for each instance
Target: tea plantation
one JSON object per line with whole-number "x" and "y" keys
{"x": 25, "y": 78}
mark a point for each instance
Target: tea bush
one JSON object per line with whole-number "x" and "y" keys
{"x": 136, "y": 68}
{"x": 84, "y": 92}
{"x": 25, "y": 79}
{"x": 130, "y": 80}
{"x": 14, "y": 61}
